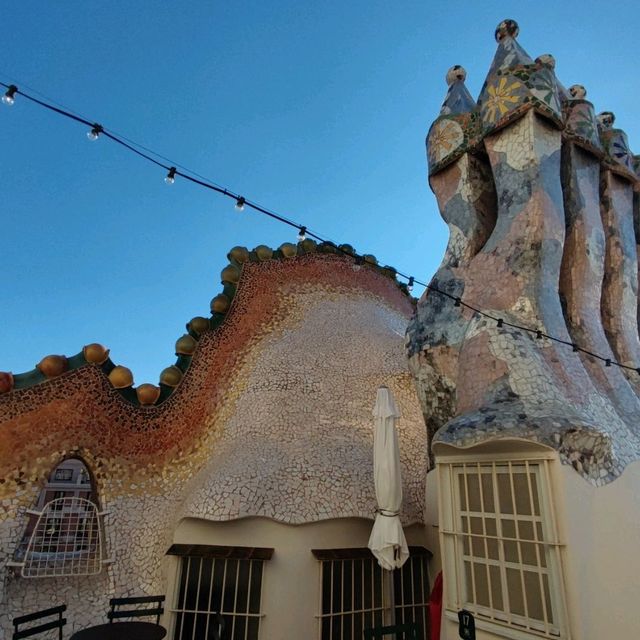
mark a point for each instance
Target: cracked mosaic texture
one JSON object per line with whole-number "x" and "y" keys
{"x": 581, "y": 126}
{"x": 514, "y": 85}
{"x": 457, "y": 128}
{"x": 620, "y": 289}
{"x": 273, "y": 418}
{"x": 547, "y": 242}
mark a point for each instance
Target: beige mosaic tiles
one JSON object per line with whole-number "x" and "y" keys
{"x": 275, "y": 407}
{"x": 301, "y": 433}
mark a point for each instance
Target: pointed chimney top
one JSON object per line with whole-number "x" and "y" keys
{"x": 455, "y": 130}
{"x": 581, "y": 125}
{"x": 509, "y": 54}
{"x": 515, "y": 84}
{"x": 547, "y": 60}
{"x": 618, "y": 156}
{"x": 458, "y": 99}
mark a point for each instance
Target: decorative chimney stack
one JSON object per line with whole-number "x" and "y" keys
{"x": 523, "y": 178}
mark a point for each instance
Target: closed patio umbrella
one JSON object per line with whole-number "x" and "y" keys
{"x": 387, "y": 541}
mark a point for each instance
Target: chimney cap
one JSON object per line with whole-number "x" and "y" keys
{"x": 507, "y": 29}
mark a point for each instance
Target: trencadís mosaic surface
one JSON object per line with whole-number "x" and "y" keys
{"x": 538, "y": 194}
{"x": 267, "y": 412}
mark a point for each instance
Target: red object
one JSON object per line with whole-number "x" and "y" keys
{"x": 6, "y": 382}
{"x": 435, "y": 608}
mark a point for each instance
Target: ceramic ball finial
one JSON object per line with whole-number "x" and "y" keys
{"x": 606, "y": 119}
{"x": 577, "y": 92}
{"x": 455, "y": 74}
{"x": 507, "y": 29}
{"x": 547, "y": 60}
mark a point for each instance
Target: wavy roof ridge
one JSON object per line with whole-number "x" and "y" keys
{"x": 151, "y": 395}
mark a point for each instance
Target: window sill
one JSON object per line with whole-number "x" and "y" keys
{"x": 503, "y": 631}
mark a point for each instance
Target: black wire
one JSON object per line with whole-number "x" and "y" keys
{"x": 130, "y": 145}
{"x": 62, "y": 112}
{"x": 109, "y": 135}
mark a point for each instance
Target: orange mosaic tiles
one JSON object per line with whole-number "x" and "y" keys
{"x": 272, "y": 418}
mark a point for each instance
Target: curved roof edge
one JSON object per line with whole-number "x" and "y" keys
{"x": 150, "y": 395}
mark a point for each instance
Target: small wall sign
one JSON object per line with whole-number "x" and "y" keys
{"x": 466, "y": 625}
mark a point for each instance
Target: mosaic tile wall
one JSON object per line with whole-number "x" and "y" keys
{"x": 272, "y": 418}
{"x": 538, "y": 194}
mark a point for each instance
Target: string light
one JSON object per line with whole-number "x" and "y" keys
{"x": 96, "y": 130}
{"x": 9, "y": 97}
{"x": 410, "y": 284}
{"x": 171, "y": 176}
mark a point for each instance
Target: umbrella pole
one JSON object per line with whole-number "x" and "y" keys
{"x": 390, "y": 611}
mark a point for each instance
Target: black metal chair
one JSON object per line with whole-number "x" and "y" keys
{"x": 217, "y": 628}
{"x": 134, "y": 612}
{"x": 18, "y": 634}
{"x": 409, "y": 631}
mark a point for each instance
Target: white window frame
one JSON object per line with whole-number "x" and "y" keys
{"x": 46, "y": 559}
{"x": 501, "y": 621}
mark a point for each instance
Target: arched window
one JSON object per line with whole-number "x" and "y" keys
{"x": 65, "y": 534}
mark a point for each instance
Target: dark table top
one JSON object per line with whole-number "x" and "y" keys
{"x": 122, "y": 631}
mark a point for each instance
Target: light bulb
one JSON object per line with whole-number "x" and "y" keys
{"x": 9, "y": 97}
{"x": 302, "y": 235}
{"x": 171, "y": 176}
{"x": 410, "y": 284}
{"x": 240, "y": 203}
{"x": 95, "y": 132}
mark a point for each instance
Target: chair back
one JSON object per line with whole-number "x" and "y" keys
{"x": 217, "y": 628}
{"x": 58, "y": 623}
{"x": 127, "y": 607}
{"x": 409, "y": 631}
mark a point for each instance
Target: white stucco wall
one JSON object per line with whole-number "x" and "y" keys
{"x": 600, "y": 529}
{"x": 290, "y": 588}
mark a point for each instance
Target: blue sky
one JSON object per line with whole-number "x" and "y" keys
{"x": 316, "y": 110}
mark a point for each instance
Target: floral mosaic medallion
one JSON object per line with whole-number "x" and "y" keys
{"x": 444, "y": 138}
{"x": 502, "y": 97}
